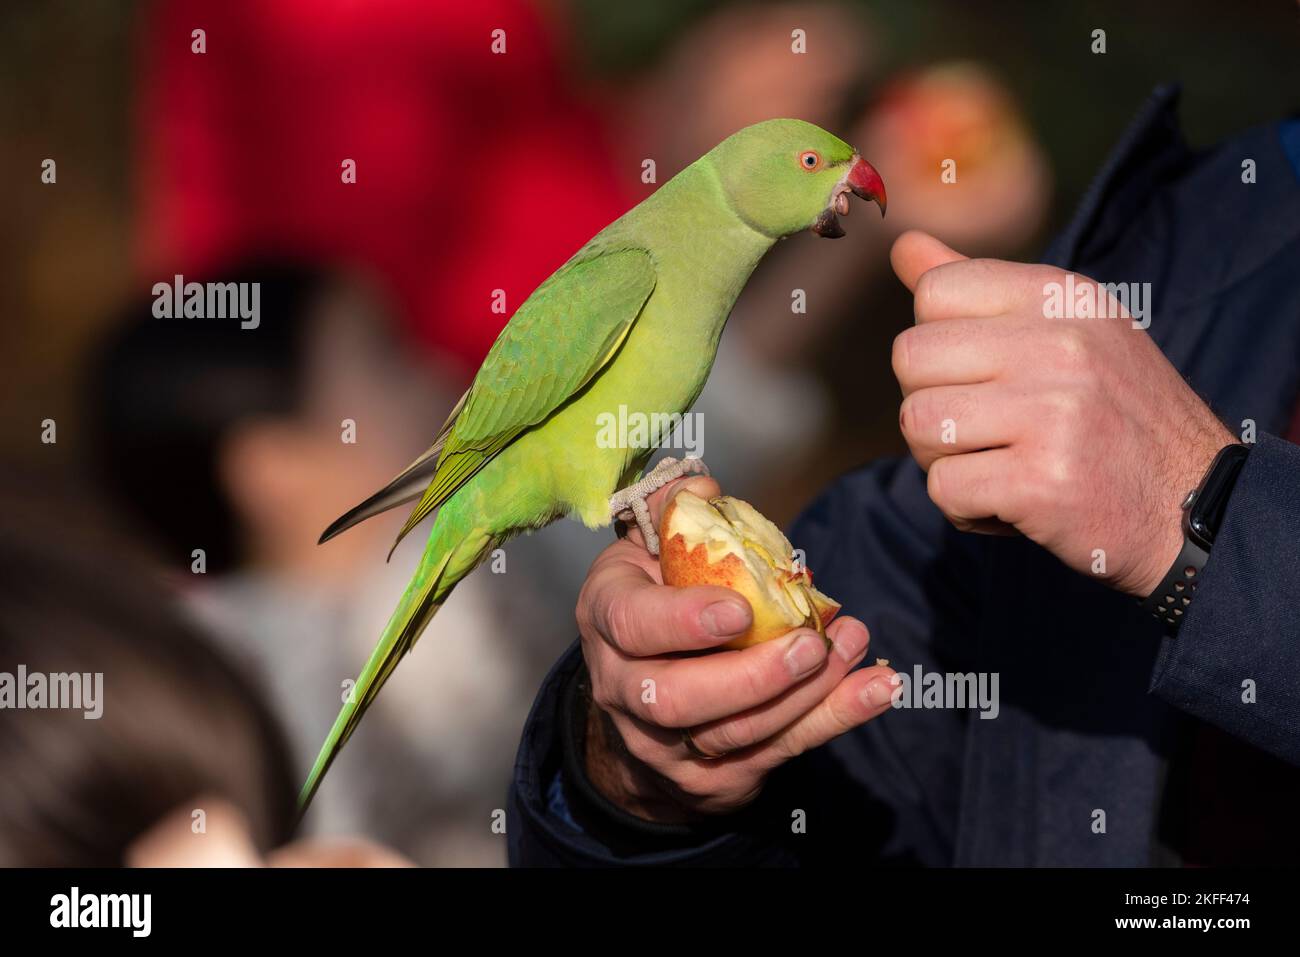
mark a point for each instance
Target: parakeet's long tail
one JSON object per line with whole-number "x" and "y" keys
{"x": 450, "y": 555}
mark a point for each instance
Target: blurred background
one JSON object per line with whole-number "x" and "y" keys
{"x": 475, "y": 172}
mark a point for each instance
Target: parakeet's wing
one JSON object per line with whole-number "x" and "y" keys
{"x": 556, "y": 343}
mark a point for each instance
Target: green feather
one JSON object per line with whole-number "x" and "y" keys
{"x": 537, "y": 363}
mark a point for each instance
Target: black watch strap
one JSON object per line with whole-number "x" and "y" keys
{"x": 1203, "y": 513}
{"x": 1173, "y": 595}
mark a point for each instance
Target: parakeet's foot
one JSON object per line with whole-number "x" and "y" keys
{"x": 628, "y": 504}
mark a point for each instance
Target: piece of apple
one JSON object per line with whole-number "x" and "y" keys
{"x": 725, "y": 541}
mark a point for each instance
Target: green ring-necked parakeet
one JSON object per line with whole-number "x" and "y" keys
{"x": 632, "y": 319}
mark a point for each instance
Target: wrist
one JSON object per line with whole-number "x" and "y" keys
{"x": 1164, "y": 551}
{"x": 624, "y": 814}
{"x": 1174, "y": 498}
{"x": 622, "y": 779}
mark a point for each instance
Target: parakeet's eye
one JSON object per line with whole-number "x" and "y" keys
{"x": 810, "y": 159}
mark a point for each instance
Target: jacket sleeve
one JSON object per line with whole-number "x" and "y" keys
{"x": 1235, "y": 662}
{"x": 888, "y": 789}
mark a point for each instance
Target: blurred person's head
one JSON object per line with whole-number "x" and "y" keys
{"x": 247, "y": 442}
{"x": 739, "y": 66}
{"x": 959, "y": 156}
{"x": 116, "y": 714}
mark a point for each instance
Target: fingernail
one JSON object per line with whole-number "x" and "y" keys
{"x": 877, "y": 694}
{"x": 725, "y": 618}
{"x": 850, "y": 643}
{"x": 805, "y": 654}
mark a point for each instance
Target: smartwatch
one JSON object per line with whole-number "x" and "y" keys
{"x": 1203, "y": 512}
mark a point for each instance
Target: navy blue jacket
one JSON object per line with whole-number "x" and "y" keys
{"x": 1098, "y": 708}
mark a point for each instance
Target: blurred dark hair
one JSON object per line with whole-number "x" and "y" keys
{"x": 163, "y": 393}
{"x": 178, "y": 721}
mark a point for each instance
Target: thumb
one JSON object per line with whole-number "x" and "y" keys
{"x": 916, "y": 253}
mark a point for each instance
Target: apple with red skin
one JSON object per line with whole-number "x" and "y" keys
{"x": 726, "y": 541}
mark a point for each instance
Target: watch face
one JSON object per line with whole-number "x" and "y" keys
{"x": 1200, "y": 531}
{"x": 1210, "y": 503}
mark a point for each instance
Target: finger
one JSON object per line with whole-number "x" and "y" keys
{"x": 988, "y": 526}
{"x": 722, "y": 784}
{"x": 975, "y": 486}
{"x": 857, "y": 698}
{"x": 865, "y": 694}
{"x": 685, "y": 692}
{"x": 703, "y": 486}
{"x": 739, "y": 731}
{"x": 169, "y": 842}
{"x": 623, "y": 603}
{"x": 982, "y": 288}
{"x": 915, "y": 253}
{"x": 956, "y": 352}
{"x": 949, "y": 420}
{"x": 696, "y": 782}
{"x": 650, "y": 744}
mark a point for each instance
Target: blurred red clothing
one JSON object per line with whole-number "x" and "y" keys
{"x": 475, "y": 171}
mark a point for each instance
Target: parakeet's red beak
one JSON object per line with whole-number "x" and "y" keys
{"x": 866, "y": 183}
{"x": 861, "y": 180}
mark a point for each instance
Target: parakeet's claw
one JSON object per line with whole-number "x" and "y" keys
{"x": 628, "y": 504}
